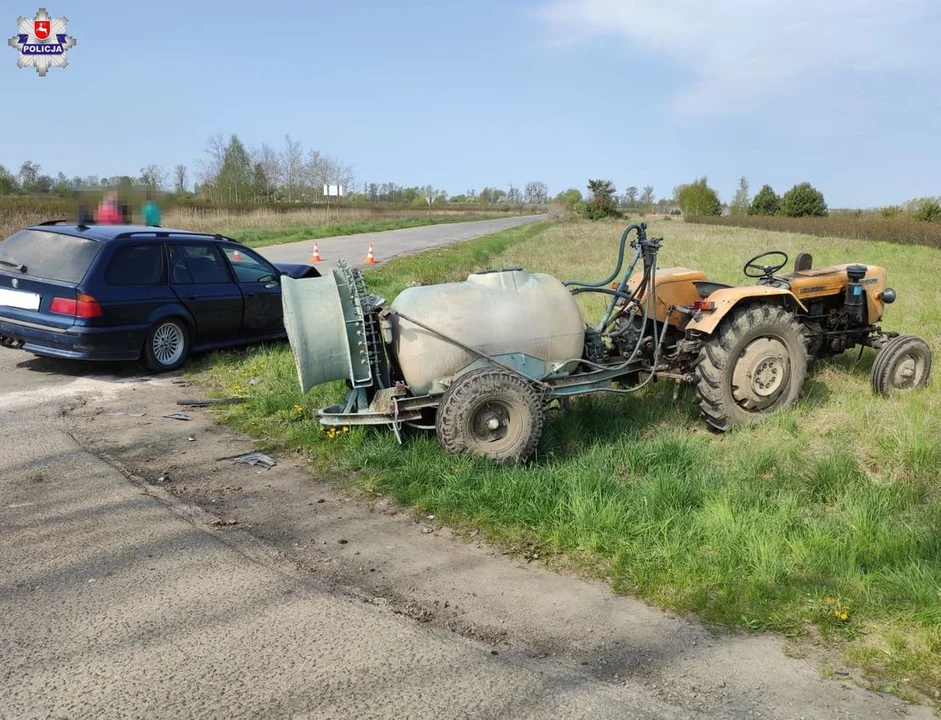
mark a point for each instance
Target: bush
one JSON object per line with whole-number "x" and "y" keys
{"x": 602, "y": 203}
{"x": 560, "y": 212}
{"x": 926, "y": 209}
{"x": 698, "y": 198}
{"x": 567, "y": 205}
{"x": 568, "y": 199}
{"x": 766, "y": 202}
{"x": 803, "y": 200}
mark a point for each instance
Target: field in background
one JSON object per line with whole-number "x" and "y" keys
{"x": 901, "y": 228}
{"x": 263, "y": 226}
{"x": 822, "y": 523}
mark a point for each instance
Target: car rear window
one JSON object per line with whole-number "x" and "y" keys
{"x": 48, "y": 255}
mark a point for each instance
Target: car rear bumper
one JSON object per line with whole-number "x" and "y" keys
{"x": 76, "y": 343}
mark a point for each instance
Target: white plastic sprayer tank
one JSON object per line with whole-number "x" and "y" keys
{"x": 495, "y": 312}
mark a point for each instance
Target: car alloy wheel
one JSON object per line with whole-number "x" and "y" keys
{"x": 168, "y": 343}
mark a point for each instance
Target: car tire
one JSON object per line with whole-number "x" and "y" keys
{"x": 167, "y": 346}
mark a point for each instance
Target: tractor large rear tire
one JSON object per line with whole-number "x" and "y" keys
{"x": 754, "y": 365}
{"x": 903, "y": 364}
{"x": 491, "y": 413}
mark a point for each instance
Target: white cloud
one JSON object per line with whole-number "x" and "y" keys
{"x": 740, "y": 53}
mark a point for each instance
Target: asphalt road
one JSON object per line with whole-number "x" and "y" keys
{"x": 387, "y": 245}
{"x": 114, "y": 603}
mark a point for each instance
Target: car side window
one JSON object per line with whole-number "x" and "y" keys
{"x": 248, "y": 266}
{"x": 197, "y": 264}
{"x": 138, "y": 264}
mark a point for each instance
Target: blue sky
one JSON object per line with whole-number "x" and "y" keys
{"x": 845, "y": 94}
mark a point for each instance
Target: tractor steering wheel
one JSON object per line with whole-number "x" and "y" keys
{"x": 765, "y": 270}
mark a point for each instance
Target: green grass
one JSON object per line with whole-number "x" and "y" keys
{"x": 260, "y": 237}
{"x": 831, "y": 509}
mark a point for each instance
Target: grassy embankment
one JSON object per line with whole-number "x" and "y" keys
{"x": 823, "y": 523}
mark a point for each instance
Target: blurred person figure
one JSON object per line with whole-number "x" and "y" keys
{"x": 85, "y": 216}
{"x": 151, "y": 211}
{"x": 109, "y": 211}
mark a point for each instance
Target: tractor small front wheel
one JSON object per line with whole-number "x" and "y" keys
{"x": 490, "y": 413}
{"x": 752, "y": 366}
{"x": 903, "y": 364}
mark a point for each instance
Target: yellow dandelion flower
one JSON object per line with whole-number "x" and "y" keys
{"x": 843, "y": 616}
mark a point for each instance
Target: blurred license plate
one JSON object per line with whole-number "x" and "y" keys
{"x": 19, "y": 299}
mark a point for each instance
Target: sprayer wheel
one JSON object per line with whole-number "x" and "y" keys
{"x": 491, "y": 413}
{"x": 752, "y": 366}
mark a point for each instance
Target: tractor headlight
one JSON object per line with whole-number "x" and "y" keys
{"x": 887, "y": 296}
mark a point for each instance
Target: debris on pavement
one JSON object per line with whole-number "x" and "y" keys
{"x": 204, "y": 402}
{"x": 253, "y": 458}
{"x": 178, "y": 416}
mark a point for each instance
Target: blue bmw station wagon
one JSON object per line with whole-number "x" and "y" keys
{"x": 120, "y": 292}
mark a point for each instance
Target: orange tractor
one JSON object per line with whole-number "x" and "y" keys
{"x": 746, "y": 347}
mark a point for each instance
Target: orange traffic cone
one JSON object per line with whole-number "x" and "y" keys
{"x": 370, "y": 257}
{"x": 315, "y": 256}
{"x": 237, "y": 256}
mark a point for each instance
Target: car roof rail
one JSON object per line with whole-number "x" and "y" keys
{"x": 161, "y": 233}
{"x": 50, "y": 222}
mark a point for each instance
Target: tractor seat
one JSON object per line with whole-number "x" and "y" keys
{"x": 705, "y": 288}
{"x": 803, "y": 261}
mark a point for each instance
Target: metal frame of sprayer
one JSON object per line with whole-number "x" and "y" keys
{"x": 375, "y": 398}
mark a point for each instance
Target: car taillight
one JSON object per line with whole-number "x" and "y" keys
{"x": 704, "y": 305}
{"x": 83, "y": 306}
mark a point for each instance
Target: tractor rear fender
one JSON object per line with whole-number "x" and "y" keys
{"x": 707, "y": 320}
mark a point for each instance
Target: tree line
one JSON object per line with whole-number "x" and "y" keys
{"x": 697, "y": 198}
{"x": 232, "y": 174}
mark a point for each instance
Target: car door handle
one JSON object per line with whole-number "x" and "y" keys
{"x": 192, "y": 297}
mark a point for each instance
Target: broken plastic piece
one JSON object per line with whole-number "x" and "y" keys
{"x": 256, "y": 458}
{"x": 178, "y": 416}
